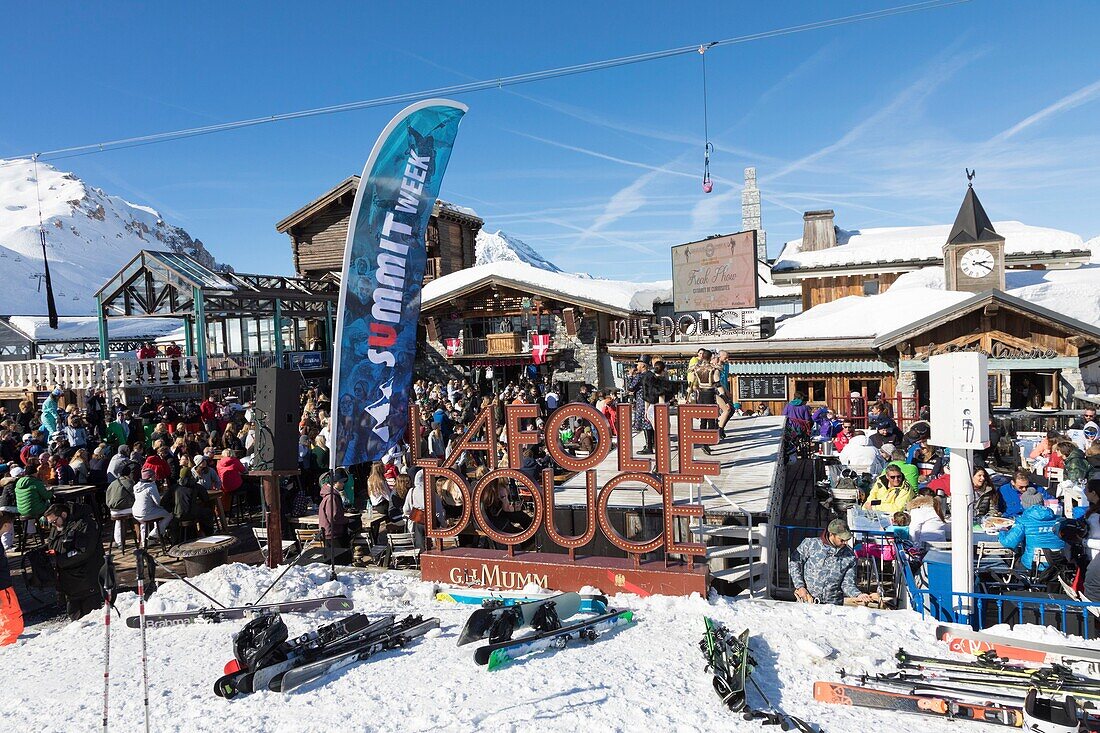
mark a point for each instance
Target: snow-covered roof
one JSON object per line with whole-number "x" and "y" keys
{"x": 86, "y": 328}
{"x": 922, "y": 244}
{"x": 919, "y": 294}
{"x": 615, "y": 296}
{"x": 768, "y": 288}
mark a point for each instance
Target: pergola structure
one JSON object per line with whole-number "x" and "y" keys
{"x": 234, "y": 313}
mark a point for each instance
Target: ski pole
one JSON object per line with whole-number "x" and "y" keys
{"x": 275, "y": 582}
{"x": 107, "y": 583}
{"x": 139, "y": 556}
{"x": 185, "y": 581}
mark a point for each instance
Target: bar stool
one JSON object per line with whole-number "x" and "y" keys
{"x": 21, "y": 533}
{"x": 123, "y": 519}
{"x": 145, "y": 532}
{"x": 238, "y": 506}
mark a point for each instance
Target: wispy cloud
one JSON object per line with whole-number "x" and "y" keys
{"x": 906, "y": 100}
{"x": 1081, "y": 96}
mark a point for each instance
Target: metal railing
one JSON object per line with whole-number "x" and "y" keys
{"x": 982, "y": 610}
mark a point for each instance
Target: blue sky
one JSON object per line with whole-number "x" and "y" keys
{"x": 599, "y": 172}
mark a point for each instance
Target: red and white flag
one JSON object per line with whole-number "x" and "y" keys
{"x": 540, "y": 344}
{"x": 453, "y": 346}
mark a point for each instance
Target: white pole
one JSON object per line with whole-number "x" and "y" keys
{"x": 962, "y": 528}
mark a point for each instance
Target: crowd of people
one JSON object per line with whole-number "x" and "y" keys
{"x": 908, "y": 479}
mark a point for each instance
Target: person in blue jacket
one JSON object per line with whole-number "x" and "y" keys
{"x": 1035, "y": 529}
{"x": 828, "y": 427}
{"x": 1019, "y": 494}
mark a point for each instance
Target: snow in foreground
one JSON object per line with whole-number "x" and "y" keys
{"x": 645, "y": 677}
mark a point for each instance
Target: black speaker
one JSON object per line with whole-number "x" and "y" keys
{"x": 276, "y": 414}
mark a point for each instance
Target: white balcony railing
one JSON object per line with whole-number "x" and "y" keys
{"x": 44, "y": 374}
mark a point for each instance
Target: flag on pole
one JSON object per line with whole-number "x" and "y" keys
{"x": 453, "y": 346}
{"x": 540, "y": 345}
{"x": 384, "y": 260}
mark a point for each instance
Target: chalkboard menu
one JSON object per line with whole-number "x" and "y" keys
{"x": 771, "y": 387}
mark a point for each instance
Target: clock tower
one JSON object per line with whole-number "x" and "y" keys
{"x": 974, "y": 254}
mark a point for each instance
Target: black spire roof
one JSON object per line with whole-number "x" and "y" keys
{"x": 972, "y": 224}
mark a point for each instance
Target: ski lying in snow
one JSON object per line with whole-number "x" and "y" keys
{"x": 393, "y": 637}
{"x": 590, "y": 603}
{"x": 942, "y": 707}
{"x": 214, "y": 615}
{"x": 499, "y": 622}
{"x": 330, "y": 638}
{"x": 589, "y": 629}
{"x": 727, "y": 657}
{"x": 965, "y": 640}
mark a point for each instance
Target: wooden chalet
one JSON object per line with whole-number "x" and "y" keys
{"x": 318, "y": 232}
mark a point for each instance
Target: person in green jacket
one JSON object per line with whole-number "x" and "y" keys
{"x": 31, "y": 496}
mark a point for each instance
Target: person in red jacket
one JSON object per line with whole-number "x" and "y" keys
{"x": 146, "y": 354}
{"x": 173, "y": 352}
{"x": 231, "y": 473}
{"x": 11, "y": 615}
{"x": 157, "y": 461}
{"x": 209, "y": 411}
{"x": 847, "y": 430}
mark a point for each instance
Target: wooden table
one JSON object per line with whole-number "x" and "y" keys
{"x": 80, "y": 492}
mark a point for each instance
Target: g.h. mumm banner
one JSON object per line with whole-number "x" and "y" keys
{"x": 383, "y": 271}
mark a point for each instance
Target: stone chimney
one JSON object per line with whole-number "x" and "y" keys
{"x": 750, "y": 214}
{"x": 818, "y": 231}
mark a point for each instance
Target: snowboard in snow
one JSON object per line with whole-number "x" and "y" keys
{"x": 942, "y": 707}
{"x": 587, "y": 629}
{"x": 214, "y": 615}
{"x": 590, "y": 603}
{"x": 498, "y": 623}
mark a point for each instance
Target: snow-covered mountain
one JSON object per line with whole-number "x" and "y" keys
{"x": 499, "y": 247}
{"x": 90, "y": 235}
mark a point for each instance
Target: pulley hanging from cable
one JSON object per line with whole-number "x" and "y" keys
{"x": 708, "y": 186}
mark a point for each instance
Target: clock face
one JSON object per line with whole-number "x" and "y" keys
{"x": 977, "y": 262}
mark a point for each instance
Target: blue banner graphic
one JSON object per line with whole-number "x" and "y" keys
{"x": 384, "y": 262}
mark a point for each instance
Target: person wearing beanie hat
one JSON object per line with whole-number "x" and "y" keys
{"x": 823, "y": 568}
{"x": 147, "y": 500}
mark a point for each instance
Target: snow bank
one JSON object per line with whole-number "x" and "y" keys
{"x": 90, "y": 236}
{"x": 908, "y": 244}
{"x": 646, "y": 677}
{"x": 617, "y": 294}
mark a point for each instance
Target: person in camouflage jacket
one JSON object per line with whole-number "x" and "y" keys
{"x": 823, "y": 569}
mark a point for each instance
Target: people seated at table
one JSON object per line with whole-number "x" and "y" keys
{"x": 79, "y": 466}
{"x": 891, "y": 492}
{"x": 77, "y": 555}
{"x": 826, "y": 426}
{"x": 858, "y": 453}
{"x": 205, "y": 473}
{"x": 886, "y": 431}
{"x": 117, "y": 460}
{"x": 847, "y": 432}
{"x": 1035, "y": 529}
{"x": 192, "y": 503}
{"x": 988, "y": 500}
{"x": 883, "y": 455}
{"x": 231, "y": 473}
{"x": 120, "y": 497}
{"x": 1019, "y": 494}
{"x": 926, "y": 521}
{"x": 158, "y": 461}
{"x": 147, "y": 503}
{"x": 9, "y": 512}
{"x": 823, "y": 569}
{"x": 32, "y": 498}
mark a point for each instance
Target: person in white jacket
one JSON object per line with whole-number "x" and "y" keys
{"x": 147, "y": 506}
{"x": 858, "y": 454}
{"x": 926, "y": 523}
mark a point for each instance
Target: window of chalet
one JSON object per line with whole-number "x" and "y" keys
{"x": 866, "y": 387}
{"x": 814, "y": 389}
{"x": 870, "y": 287}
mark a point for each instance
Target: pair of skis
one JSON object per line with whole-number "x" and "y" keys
{"x": 319, "y": 653}
{"x": 729, "y": 659}
{"x": 499, "y": 619}
{"x": 233, "y": 613}
{"x": 965, "y": 640}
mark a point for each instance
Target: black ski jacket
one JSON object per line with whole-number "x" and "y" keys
{"x": 78, "y": 553}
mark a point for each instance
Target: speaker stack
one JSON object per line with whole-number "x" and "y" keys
{"x": 277, "y": 415}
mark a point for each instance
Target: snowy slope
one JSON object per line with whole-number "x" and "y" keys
{"x": 647, "y": 677}
{"x": 90, "y": 236}
{"x": 499, "y": 247}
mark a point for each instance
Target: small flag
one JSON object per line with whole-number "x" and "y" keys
{"x": 540, "y": 345}
{"x": 453, "y": 346}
